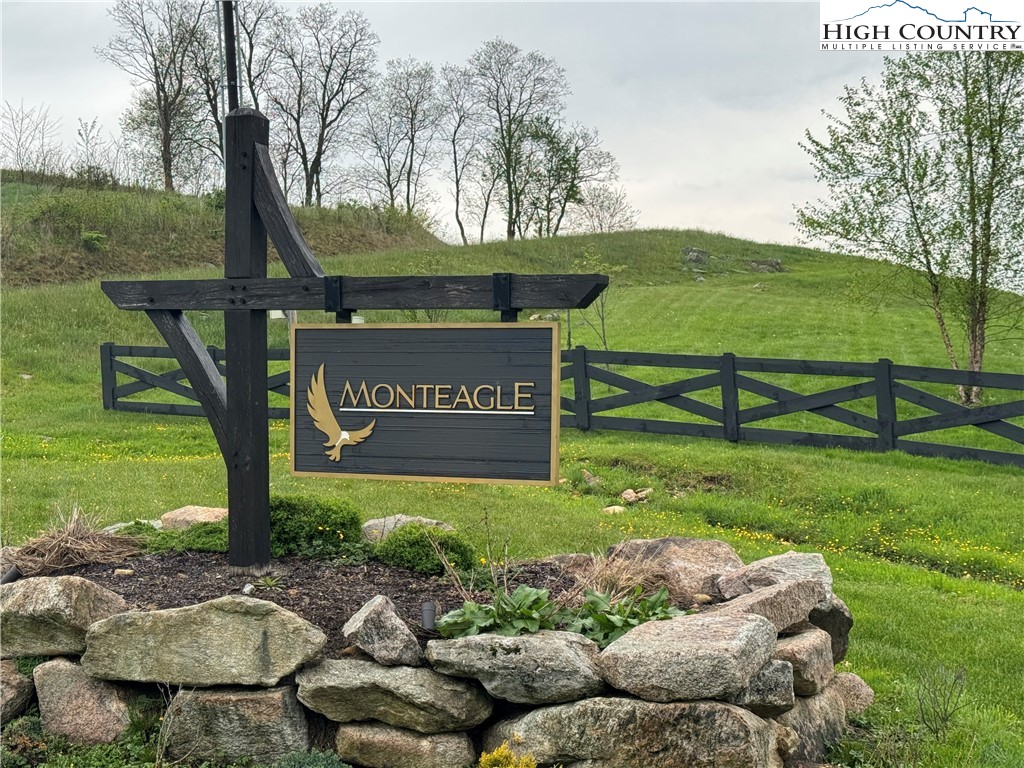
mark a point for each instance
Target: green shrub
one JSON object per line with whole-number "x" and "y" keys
{"x": 312, "y": 527}
{"x": 415, "y": 547}
{"x": 94, "y": 242}
{"x": 313, "y": 759}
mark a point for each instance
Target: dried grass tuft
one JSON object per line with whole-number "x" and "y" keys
{"x": 74, "y": 540}
{"x": 617, "y": 577}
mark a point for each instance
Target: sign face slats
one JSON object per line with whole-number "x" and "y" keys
{"x": 465, "y": 403}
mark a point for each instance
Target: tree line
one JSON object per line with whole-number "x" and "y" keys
{"x": 492, "y": 129}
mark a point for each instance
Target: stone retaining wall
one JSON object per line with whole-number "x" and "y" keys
{"x": 749, "y": 682}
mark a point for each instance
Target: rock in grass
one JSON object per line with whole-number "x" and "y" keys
{"x": 184, "y": 517}
{"x": 264, "y": 724}
{"x": 819, "y": 722}
{"x": 16, "y": 691}
{"x": 232, "y": 640}
{"x": 78, "y": 707}
{"x": 49, "y": 615}
{"x": 810, "y": 653}
{"x": 418, "y": 699}
{"x": 379, "y": 529}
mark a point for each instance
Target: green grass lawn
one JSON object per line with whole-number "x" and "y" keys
{"x": 927, "y": 552}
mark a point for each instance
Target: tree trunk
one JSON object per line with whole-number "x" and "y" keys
{"x": 167, "y": 159}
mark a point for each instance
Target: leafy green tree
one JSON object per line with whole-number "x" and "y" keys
{"x": 926, "y": 170}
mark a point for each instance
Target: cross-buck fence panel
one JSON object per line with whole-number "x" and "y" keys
{"x": 707, "y": 400}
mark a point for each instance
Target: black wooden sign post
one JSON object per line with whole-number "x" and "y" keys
{"x": 255, "y": 206}
{"x": 245, "y": 334}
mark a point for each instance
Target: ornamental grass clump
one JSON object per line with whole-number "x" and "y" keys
{"x": 75, "y": 540}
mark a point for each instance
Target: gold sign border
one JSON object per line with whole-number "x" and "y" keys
{"x": 556, "y": 409}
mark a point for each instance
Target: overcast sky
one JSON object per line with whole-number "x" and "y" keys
{"x": 703, "y": 104}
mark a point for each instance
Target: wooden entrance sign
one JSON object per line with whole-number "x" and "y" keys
{"x": 255, "y": 206}
{"x": 465, "y": 403}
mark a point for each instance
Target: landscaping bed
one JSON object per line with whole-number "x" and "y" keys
{"x": 322, "y": 593}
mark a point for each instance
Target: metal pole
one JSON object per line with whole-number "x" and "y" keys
{"x": 230, "y": 54}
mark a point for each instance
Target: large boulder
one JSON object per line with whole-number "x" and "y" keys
{"x": 543, "y": 668}
{"x": 380, "y": 528}
{"x": 49, "y": 615}
{"x": 687, "y": 567}
{"x": 379, "y": 631}
{"x": 263, "y": 723}
{"x": 627, "y": 733}
{"x": 15, "y": 691}
{"x": 782, "y": 604}
{"x": 184, "y": 517}
{"x": 347, "y": 690}
{"x": 770, "y": 691}
{"x": 778, "y": 569}
{"x": 819, "y": 721}
{"x": 80, "y": 708}
{"x": 689, "y": 657}
{"x": 232, "y": 640}
{"x": 376, "y": 745}
{"x": 837, "y": 620}
{"x": 810, "y": 653}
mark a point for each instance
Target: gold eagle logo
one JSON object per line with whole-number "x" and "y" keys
{"x": 323, "y": 417}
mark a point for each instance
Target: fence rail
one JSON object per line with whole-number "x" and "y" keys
{"x": 881, "y": 384}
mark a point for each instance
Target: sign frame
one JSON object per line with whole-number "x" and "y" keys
{"x": 554, "y": 430}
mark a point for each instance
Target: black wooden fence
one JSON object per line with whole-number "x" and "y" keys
{"x": 727, "y": 414}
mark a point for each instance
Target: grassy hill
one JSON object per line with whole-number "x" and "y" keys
{"x": 927, "y": 552}
{"x": 53, "y": 233}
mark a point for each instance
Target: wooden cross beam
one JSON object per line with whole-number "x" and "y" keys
{"x": 237, "y": 410}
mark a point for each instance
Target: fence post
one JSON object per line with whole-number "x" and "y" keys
{"x": 581, "y": 387}
{"x": 245, "y": 345}
{"x": 885, "y": 400}
{"x": 108, "y": 377}
{"x": 730, "y": 399}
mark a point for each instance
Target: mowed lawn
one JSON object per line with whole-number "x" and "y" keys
{"x": 927, "y": 552}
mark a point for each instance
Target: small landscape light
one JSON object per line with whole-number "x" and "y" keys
{"x": 428, "y": 612}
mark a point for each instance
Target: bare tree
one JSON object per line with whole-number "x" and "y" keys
{"x": 461, "y": 132}
{"x": 326, "y": 67}
{"x": 399, "y": 127}
{"x": 256, "y": 29}
{"x": 154, "y": 47}
{"x": 604, "y": 208}
{"x": 207, "y": 76}
{"x": 29, "y": 140}
{"x": 514, "y": 88}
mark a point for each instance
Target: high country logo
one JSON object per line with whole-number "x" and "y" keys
{"x": 907, "y": 25}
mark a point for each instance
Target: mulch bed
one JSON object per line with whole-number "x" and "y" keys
{"x": 323, "y": 594}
